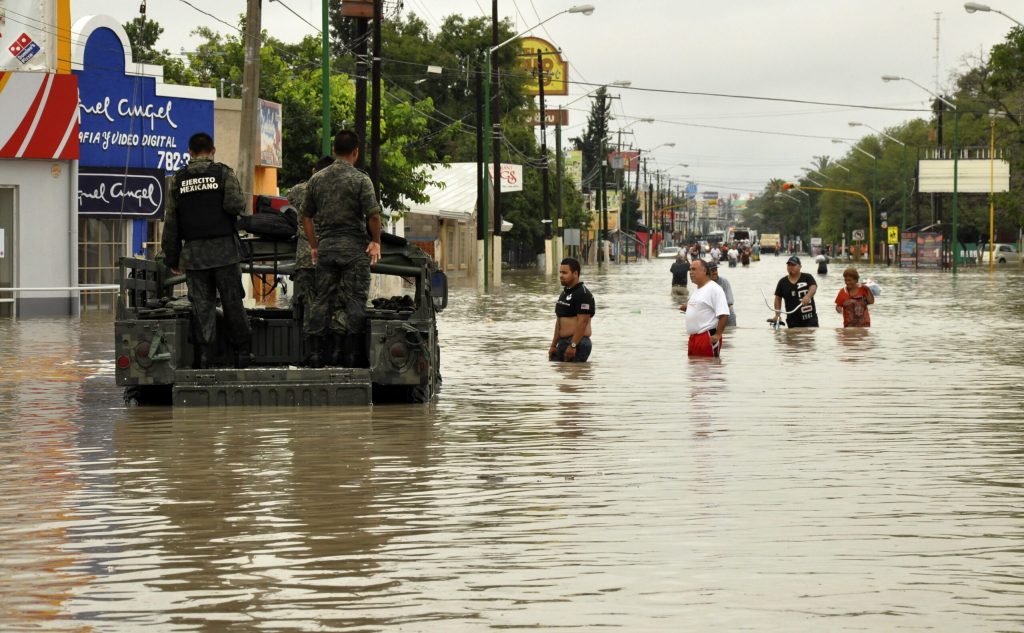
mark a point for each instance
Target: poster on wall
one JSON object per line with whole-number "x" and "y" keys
{"x": 929, "y": 250}
{"x": 270, "y": 134}
{"x": 908, "y": 250}
{"x": 112, "y": 191}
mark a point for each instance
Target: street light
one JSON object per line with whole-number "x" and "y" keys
{"x": 955, "y": 246}
{"x": 903, "y": 169}
{"x": 971, "y": 7}
{"x": 585, "y": 9}
{"x": 874, "y": 196}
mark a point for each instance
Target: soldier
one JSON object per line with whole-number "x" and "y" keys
{"x": 343, "y": 203}
{"x": 200, "y": 237}
{"x": 305, "y": 270}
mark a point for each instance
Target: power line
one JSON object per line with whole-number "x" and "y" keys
{"x": 292, "y": 11}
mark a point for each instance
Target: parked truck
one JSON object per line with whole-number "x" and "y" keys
{"x": 770, "y": 243}
{"x": 156, "y": 349}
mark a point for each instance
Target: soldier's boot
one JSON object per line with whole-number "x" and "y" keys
{"x": 338, "y": 350}
{"x": 355, "y": 353}
{"x": 243, "y": 357}
{"x": 317, "y": 351}
{"x": 207, "y": 354}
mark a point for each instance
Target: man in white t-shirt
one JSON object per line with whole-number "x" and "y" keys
{"x": 707, "y": 313}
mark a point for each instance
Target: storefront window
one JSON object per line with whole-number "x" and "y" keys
{"x": 101, "y": 243}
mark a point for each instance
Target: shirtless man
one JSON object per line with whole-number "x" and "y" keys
{"x": 573, "y": 311}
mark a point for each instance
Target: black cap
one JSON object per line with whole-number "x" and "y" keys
{"x": 793, "y": 260}
{"x": 712, "y": 265}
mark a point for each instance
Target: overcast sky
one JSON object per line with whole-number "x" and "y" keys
{"x": 817, "y": 50}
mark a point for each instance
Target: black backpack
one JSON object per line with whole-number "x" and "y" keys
{"x": 271, "y": 223}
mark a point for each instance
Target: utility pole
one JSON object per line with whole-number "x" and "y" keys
{"x": 362, "y": 71}
{"x": 496, "y": 109}
{"x": 543, "y": 147}
{"x": 603, "y": 193}
{"x": 558, "y": 189}
{"x": 247, "y": 135}
{"x": 325, "y": 81}
{"x": 378, "y": 19}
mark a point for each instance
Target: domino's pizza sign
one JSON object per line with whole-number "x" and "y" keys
{"x": 24, "y": 49}
{"x": 131, "y": 121}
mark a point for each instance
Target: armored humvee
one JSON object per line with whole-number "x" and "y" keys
{"x": 156, "y": 350}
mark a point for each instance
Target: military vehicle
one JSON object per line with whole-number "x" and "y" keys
{"x": 156, "y": 350}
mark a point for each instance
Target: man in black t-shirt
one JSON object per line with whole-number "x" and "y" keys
{"x": 573, "y": 311}
{"x": 797, "y": 290}
{"x": 680, "y": 275}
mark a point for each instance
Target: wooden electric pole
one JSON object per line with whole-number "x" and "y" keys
{"x": 248, "y": 139}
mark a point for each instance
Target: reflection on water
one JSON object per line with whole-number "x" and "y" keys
{"x": 807, "y": 480}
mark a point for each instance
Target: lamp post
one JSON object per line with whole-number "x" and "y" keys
{"x": 874, "y": 196}
{"x": 585, "y": 9}
{"x": 971, "y": 7}
{"x": 955, "y": 246}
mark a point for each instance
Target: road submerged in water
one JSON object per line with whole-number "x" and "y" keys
{"x": 808, "y": 480}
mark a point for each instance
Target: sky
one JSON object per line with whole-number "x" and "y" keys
{"x": 831, "y": 51}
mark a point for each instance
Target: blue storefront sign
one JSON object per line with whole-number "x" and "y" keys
{"x": 134, "y": 128}
{"x": 129, "y": 119}
{"x": 112, "y": 191}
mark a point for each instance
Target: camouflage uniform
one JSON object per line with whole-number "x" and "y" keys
{"x": 340, "y": 199}
{"x": 212, "y": 265}
{"x": 304, "y": 278}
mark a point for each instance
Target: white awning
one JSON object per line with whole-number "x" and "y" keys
{"x": 453, "y": 194}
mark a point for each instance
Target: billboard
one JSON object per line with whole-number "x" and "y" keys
{"x": 555, "y": 70}
{"x": 511, "y": 177}
{"x": 929, "y": 250}
{"x": 973, "y": 176}
{"x": 627, "y": 161}
{"x": 551, "y": 117}
{"x": 270, "y": 134}
{"x": 908, "y": 250}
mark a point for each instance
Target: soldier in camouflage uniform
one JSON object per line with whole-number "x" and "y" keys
{"x": 342, "y": 201}
{"x": 304, "y": 278}
{"x": 199, "y": 236}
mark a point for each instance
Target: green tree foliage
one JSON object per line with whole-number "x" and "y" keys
{"x": 594, "y": 136}
{"x": 143, "y": 35}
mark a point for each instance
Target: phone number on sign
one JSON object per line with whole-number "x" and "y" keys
{"x": 172, "y": 161}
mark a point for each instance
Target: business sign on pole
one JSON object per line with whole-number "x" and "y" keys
{"x": 132, "y": 124}
{"x": 570, "y": 237}
{"x": 554, "y": 72}
{"x": 574, "y": 167}
{"x": 551, "y": 117}
{"x": 270, "y": 134}
{"x": 511, "y": 177}
{"x": 894, "y": 235}
{"x": 691, "y": 190}
{"x": 29, "y": 34}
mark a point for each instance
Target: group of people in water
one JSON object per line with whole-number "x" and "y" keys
{"x": 709, "y": 307}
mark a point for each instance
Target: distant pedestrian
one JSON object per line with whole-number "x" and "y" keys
{"x": 680, "y": 275}
{"x": 822, "y": 260}
{"x": 797, "y": 290}
{"x": 727, "y": 289}
{"x": 573, "y": 311}
{"x": 707, "y": 313}
{"x": 853, "y": 300}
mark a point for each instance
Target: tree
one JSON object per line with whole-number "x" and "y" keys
{"x": 143, "y": 34}
{"x": 595, "y": 135}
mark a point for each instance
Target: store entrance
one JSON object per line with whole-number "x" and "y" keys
{"x": 7, "y": 251}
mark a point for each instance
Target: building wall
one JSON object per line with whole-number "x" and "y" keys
{"x": 227, "y": 122}
{"x": 46, "y": 233}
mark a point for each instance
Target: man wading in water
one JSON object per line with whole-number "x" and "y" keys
{"x": 573, "y": 311}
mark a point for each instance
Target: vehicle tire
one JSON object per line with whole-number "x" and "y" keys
{"x": 425, "y": 393}
{"x": 1002, "y": 260}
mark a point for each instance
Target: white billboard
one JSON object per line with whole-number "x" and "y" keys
{"x": 974, "y": 175}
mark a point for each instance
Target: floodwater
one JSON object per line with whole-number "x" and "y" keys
{"x": 815, "y": 480}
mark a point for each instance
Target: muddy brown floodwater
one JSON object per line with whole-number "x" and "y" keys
{"x": 807, "y": 481}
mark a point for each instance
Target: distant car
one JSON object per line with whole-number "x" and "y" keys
{"x": 668, "y": 251}
{"x": 1003, "y": 254}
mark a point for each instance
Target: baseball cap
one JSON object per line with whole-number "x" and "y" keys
{"x": 712, "y": 265}
{"x": 793, "y": 260}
